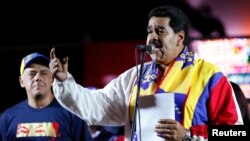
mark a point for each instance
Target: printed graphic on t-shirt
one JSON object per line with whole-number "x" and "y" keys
{"x": 42, "y": 129}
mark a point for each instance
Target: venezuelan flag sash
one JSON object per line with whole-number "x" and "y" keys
{"x": 181, "y": 78}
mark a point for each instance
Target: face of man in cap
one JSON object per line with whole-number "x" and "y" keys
{"x": 37, "y": 80}
{"x": 36, "y": 77}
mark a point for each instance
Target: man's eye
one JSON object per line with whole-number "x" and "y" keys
{"x": 159, "y": 30}
{"x": 32, "y": 74}
{"x": 44, "y": 73}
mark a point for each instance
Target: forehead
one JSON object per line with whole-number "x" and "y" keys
{"x": 35, "y": 66}
{"x": 159, "y": 21}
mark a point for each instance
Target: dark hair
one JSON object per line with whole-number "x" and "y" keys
{"x": 178, "y": 19}
{"x": 242, "y": 102}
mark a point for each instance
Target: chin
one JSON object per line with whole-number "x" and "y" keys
{"x": 38, "y": 96}
{"x": 159, "y": 60}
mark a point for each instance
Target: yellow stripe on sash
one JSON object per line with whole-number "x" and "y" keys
{"x": 177, "y": 80}
{"x": 199, "y": 81}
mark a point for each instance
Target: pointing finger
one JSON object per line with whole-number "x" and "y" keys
{"x": 52, "y": 53}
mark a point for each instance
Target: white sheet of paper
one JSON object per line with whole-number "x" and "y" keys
{"x": 151, "y": 109}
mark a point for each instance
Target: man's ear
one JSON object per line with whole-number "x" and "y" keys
{"x": 21, "y": 81}
{"x": 181, "y": 37}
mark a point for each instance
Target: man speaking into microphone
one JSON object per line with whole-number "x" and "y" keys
{"x": 202, "y": 94}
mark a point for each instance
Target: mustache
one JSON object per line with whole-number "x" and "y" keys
{"x": 156, "y": 43}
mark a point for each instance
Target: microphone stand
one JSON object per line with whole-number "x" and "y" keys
{"x": 136, "y": 109}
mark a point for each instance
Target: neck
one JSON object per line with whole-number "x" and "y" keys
{"x": 40, "y": 102}
{"x": 165, "y": 66}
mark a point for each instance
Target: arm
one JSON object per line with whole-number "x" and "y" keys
{"x": 222, "y": 107}
{"x": 103, "y": 106}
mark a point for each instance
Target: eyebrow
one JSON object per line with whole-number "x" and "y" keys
{"x": 157, "y": 26}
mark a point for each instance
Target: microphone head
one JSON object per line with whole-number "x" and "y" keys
{"x": 150, "y": 48}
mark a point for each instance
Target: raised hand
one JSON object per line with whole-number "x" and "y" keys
{"x": 58, "y": 68}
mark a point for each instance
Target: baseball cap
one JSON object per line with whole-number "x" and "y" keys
{"x": 34, "y": 58}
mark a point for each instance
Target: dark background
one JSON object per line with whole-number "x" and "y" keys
{"x": 70, "y": 27}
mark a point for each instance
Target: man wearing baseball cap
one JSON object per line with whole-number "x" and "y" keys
{"x": 40, "y": 116}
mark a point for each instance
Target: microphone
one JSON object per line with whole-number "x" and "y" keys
{"x": 149, "y": 48}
